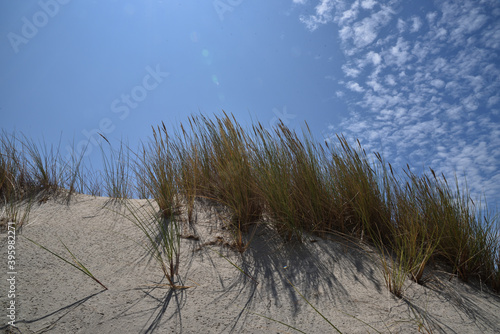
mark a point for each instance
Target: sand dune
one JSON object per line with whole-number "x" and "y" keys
{"x": 342, "y": 280}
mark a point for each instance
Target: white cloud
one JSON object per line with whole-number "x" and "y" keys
{"x": 323, "y": 15}
{"x": 471, "y": 19}
{"x": 401, "y": 25}
{"x": 366, "y": 31}
{"x": 426, "y": 99}
{"x": 470, "y": 103}
{"x": 374, "y": 57}
{"x": 454, "y": 112}
{"x": 439, "y": 64}
{"x": 351, "y": 72}
{"x": 420, "y": 51}
{"x": 350, "y": 14}
{"x": 493, "y": 100}
{"x": 438, "y": 83}
{"x": 431, "y": 17}
{"x": 368, "y": 4}
{"x": 300, "y": 2}
{"x": 441, "y": 34}
{"x": 355, "y": 87}
{"x": 373, "y": 83}
{"x": 345, "y": 33}
{"x": 398, "y": 54}
{"x": 390, "y": 80}
{"x": 491, "y": 37}
{"x": 416, "y": 24}
{"x": 476, "y": 82}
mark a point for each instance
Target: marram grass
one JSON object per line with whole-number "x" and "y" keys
{"x": 282, "y": 178}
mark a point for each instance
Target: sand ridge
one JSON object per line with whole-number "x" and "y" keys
{"x": 343, "y": 280}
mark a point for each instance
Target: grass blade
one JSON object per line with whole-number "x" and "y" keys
{"x": 78, "y": 264}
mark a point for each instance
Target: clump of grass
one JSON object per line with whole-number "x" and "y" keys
{"x": 413, "y": 237}
{"x": 156, "y": 171}
{"x": 16, "y": 183}
{"x": 494, "y": 278}
{"x": 76, "y": 180}
{"x": 292, "y": 181}
{"x": 13, "y": 182}
{"x": 29, "y": 169}
{"x": 43, "y": 167}
{"x": 303, "y": 186}
{"x": 24, "y": 173}
{"x": 394, "y": 267}
{"x": 233, "y": 181}
{"x": 431, "y": 221}
{"x": 299, "y": 184}
{"x": 274, "y": 179}
{"x": 189, "y": 173}
{"x": 411, "y": 241}
{"x": 9, "y": 167}
{"x": 469, "y": 241}
{"x": 162, "y": 238}
{"x": 215, "y": 163}
{"x": 90, "y": 182}
{"x": 359, "y": 190}
{"x": 116, "y": 173}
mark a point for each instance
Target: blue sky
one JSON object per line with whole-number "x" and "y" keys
{"x": 418, "y": 81}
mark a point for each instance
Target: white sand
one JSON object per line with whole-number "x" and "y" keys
{"x": 340, "y": 280}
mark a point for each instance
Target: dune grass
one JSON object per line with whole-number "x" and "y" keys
{"x": 217, "y": 155}
{"x": 305, "y": 186}
{"x": 32, "y": 172}
{"x": 297, "y": 184}
{"x": 12, "y": 180}
{"x": 77, "y": 264}
{"x": 156, "y": 170}
{"x": 162, "y": 238}
{"x": 116, "y": 171}
{"x": 17, "y": 181}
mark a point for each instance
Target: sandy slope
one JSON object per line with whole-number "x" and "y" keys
{"x": 339, "y": 279}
